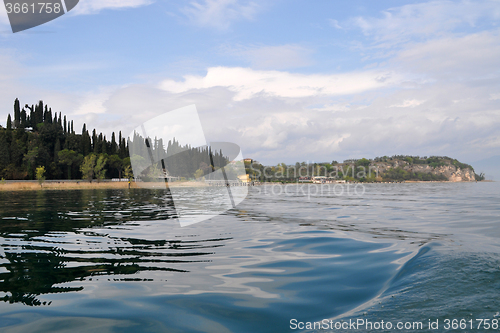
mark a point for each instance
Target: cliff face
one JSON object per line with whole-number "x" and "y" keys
{"x": 456, "y": 174}
{"x": 453, "y": 173}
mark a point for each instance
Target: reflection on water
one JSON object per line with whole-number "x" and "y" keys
{"x": 50, "y": 238}
{"x": 121, "y": 258}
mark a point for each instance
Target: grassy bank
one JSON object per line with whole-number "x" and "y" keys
{"x": 85, "y": 185}
{"x": 62, "y": 185}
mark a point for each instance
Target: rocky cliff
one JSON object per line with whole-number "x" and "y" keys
{"x": 451, "y": 172}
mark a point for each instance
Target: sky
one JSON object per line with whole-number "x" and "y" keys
{"x": 286, "y": 80}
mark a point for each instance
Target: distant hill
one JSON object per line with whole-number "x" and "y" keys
{"x": 397, "y": 168}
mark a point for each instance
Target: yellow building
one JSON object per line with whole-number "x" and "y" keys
{"x": 244, "y": 178}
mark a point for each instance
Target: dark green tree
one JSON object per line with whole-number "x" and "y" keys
{"x": 24, "y": 122}
{"x": 17, "y": 114}
{"x": 115, "y": 163}
{"x": 113, "y": 148}
{"x": 57, "y": 149}
{"x": 9, "y": 123}
{"x": 17, "y": 153}
{"x": 4, "y": 150}
{"x": 67, "y": 157}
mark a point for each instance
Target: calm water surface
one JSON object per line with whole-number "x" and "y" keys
{"x": 118, "y": 261}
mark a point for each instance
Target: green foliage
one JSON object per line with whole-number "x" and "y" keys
{"x": 399, "y": 174}
{"x": 185, "y": 163}
{"x": 99, "y": 170}
{"x": 37, "y": 136}
{"x": 480, "y": 177}
{"x": 17, "y": 150}
{"x": 40, "y": 175}
{"x": 199, "y": 173}
{"x": 9, "y": 123}
{"x": 67, "y": 157}
{"x": 363, "y": 162}
{"x": 115, "y": 163}
{"x": 409, "y": 159}
{"x": 437, "y": 164}
{"x": 127, "y": 172}
{"x": 88, "y": 166}
{"x": 461, "y": 165}
{"x": 4, "y": 149}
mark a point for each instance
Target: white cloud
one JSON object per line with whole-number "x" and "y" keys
{"x": 456, "y": 120}
{"x": 93, "y": 102}
{"x": 334, "y": 23}
{"x": 219, "y": 13}
{"x": 408, "y": 103}
{"x": 95, "y": 6}
{"x": 247, "y": 83}
{"x": 435, "y": 96}
{"x": 470, "y": 56}
{"x": 424, "y": 20}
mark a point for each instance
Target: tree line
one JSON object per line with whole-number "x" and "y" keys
{"x": 179, "y": 161}
{"x": 38, "y": 137}
{"x": 358, "y": 170}
{"x": 38, "y": 143}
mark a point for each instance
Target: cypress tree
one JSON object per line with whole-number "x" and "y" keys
{"x": 65, "y": 125}
{"x": 32, "y": 117}
{"x": 124, "y": 149}
{"x": 98, "y": 147}
{"x": 38, "y": 114}
{"x": 72, "y": 131}
{"x": 113, "y": 144}
{"x": 47, "y": 117}
{"x": 88, "y": 144}
{"x": 94, "y": 141}
{"x": 17, "y": 114}
{"x": 104, "y": 145}
{"x": 9, "y": 122}
{"x": 121, "y": 146}
{"x": 24, "y": 121}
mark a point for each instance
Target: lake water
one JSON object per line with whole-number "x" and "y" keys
{"x": 116, "y": 261}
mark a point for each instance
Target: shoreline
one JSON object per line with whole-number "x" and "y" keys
{"x": 61, "y": 185}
